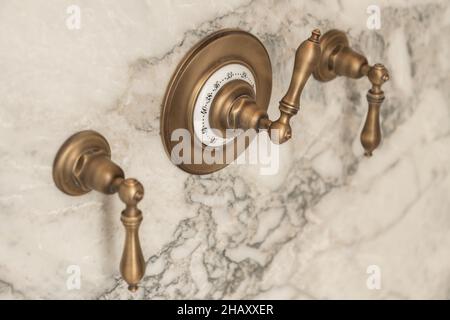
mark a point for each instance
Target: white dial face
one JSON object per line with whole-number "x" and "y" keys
{"x": 215, "y": 82}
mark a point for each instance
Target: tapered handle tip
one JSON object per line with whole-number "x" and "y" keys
{"x": 133, "y": 288}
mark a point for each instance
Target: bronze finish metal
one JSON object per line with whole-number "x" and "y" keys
{"x": 237, "y": 106}
{"x": 338, "y": 59}
{"x": 306, "y": 59}
{"x": 244, "y": 113}
{"x": 83, "y": 163}
{"x": 215, "y": 51}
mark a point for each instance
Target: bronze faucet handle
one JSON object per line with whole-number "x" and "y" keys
{"x": 371, "y": 133}
{"x": 338, "y": 59}
{"x": 238, "y": 109}
{"x": 83, "y": 163}
{"x": 306, "y": 59}
{"x": 132, "y": 264}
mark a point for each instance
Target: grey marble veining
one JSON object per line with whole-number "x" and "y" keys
{"x": 310, "y": 231}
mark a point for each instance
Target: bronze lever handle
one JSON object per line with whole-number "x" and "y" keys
{"x": 83, "y": 163}
{"x": 338, "y": 59}
{"x": 371, "y": 133}
{"x": 237, "y": 101}
{"x": 132, "y": 264}
{"x": 306, "y": 59}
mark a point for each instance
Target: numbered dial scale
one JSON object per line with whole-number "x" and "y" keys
{"x": 224, "y": 56}
{"x": 202, "y": 126}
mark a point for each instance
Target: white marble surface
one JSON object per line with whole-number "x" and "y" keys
{"x": 309, "y": 232}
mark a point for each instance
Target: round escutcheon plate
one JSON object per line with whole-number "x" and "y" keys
{"x": 330, "y": 42}
{"x": 69, "y": 156}
{"x": 220, "y": 58}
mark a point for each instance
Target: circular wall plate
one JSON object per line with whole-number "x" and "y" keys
{"x": 330, "y": 43}
{"x": 68, "y": 159}
{"x": 221, "y": 57}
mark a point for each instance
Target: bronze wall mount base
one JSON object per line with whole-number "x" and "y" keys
{"x": 83, "y": 163}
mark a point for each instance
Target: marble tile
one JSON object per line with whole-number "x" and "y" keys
{"x": 311, "y": 231}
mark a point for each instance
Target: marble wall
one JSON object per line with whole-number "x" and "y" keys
{"x": 311, "y": 231}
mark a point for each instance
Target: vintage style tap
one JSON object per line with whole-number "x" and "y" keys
{"x": 338, "y": 59}
{"x": 83, "y": 163}
{"x": 224, "y": 83}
